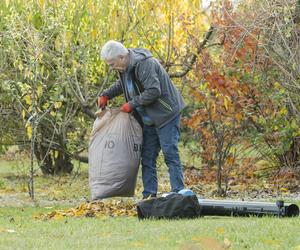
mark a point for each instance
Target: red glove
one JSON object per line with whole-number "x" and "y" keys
{"x": 102, "y": 101}
{"x": 126, "y": 108}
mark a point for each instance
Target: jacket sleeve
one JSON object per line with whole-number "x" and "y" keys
{"x": 148, "y": 77}
{"x": 114, "y": 90}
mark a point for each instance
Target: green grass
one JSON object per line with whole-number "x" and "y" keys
{"x": 63, "y": 189}
{"x": 5, "y": 167}
{"x": 20, "y": 230}
{"x": 130, "y": 233}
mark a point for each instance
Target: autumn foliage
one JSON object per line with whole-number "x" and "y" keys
{"x": 224, "y": 97}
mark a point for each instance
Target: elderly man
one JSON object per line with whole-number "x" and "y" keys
{"x": 152, "y": 97}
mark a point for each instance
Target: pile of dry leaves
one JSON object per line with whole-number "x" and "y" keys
{"x": 110, "y": 208}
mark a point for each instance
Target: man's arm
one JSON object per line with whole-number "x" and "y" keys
{"x": 148, "y": 77}
{"x": 115, "y": 90}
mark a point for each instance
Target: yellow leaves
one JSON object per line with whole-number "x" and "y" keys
{"x": 226, "y": 102}
{"x": 284, "y": 190}
{"x": 277, "y": 85}
{"x": 57, "y": 105}
{"x": 220, "y": 230}
{"x": 238, "y": 116}
{"x": 283, "y": 111}
{"x": 23, "y": 114}
{"x": 55, "y": 154}
{"x": 29, "y": 130}
{"x": 46, "y": 105}
{"x": 55, "y": 215}
{"x": 42, "y": 3}
{"x": 94, "y": 33}
{"x": 297, "y": 133}
{"x": 39, "y": 91}
{"x": 27, "y": 99}
{"x": 105, "y": 234}
{"x": 100, "y": 209}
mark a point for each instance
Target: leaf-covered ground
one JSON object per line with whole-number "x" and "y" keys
{"x": 72, "y": 190}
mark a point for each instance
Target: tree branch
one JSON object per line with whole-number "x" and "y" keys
{"x": 201, "y": 46}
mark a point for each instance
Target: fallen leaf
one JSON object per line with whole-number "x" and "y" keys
{"x": 10, "y": 231}
{"x": 5, "y": 230}
{"x": 285, "y": 190}
{"x": 106, "y": 234}
{"x": 227, "y": 243}
{"x": 220, "y": 230}
{"x": 138, "y": 244}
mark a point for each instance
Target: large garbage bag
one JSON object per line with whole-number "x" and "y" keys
{"x": 114, "y": 154}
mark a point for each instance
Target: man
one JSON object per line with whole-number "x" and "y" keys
{"x": 152, "y": 97}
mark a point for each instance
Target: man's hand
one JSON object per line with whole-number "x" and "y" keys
{"x": 102, "y": 101}
{"x": 126, "y": 108}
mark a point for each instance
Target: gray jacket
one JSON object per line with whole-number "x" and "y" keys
{"x": 158, "y": 95}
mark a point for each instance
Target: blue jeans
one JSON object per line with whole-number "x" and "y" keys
{"x": 155, "y": 139}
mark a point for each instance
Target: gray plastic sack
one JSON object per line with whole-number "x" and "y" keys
{"x": 114, "y": 154}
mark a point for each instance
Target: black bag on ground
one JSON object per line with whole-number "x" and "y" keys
{"x": 174, "y": 206}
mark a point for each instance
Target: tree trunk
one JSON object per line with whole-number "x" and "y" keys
{"x": 52, "y": 159}
{"x": 53, "y": 162}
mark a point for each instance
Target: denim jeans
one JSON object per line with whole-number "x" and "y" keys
{"x": 165, "y": 139}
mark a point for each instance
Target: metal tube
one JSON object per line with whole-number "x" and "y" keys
{"x": 246, "y": 208}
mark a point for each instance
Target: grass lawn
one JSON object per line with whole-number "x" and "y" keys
{"x": 19, "y": 229}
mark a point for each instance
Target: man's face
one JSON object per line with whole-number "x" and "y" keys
{"x": 118, "y": 63}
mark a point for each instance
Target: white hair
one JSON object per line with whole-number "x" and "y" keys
{"x": 113, "y": 49}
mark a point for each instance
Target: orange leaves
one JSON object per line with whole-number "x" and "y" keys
{"x": 240, "y": 45}
{"x": 198, "y": 95}
{"x": 194, "y": 122}
{"x": 230, "y": 160}
{"x": 239, "y": 117}
{"x": 225, "y": 99}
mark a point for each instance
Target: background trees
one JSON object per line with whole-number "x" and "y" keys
{"x": 51, "y": 68}
{"x": 237, "y": 66}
